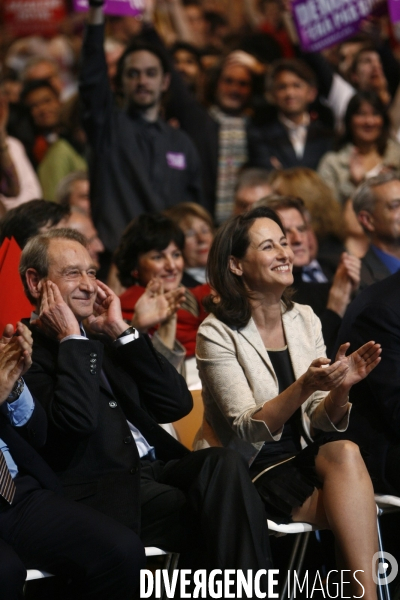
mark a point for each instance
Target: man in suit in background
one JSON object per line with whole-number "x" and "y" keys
{"x": 104, "y": 399}
{"x": 377, "y": 206}
{"x": 39, "y": 528}
{"x": 375, "y": 415}
{"x": 294, "y": 138}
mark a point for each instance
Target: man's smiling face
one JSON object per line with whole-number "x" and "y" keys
{"x": 72, "y": 270}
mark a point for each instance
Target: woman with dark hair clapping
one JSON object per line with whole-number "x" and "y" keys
{"x": 267, "y": 383}
{"x": 149, "y": 260}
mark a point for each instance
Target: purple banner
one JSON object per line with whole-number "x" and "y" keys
{"x": 394, "y": 10}
{"x": 322, "y": 23}
{"x": 124, "y": 8}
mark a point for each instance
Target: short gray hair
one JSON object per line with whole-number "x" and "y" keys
{"x": 35, "y": 253}
{"x": 364, "y": 197}
{"x": 64, "y": 188}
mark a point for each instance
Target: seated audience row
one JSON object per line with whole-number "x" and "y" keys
{"x": 305, "y": 158}
{"x": 105, "y": 390}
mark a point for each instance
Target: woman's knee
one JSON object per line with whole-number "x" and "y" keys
{"x": 341, "y": 452}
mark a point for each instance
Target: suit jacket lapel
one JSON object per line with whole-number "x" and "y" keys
{"x": 300, "y": 359}
{"x": 252, "y": 336}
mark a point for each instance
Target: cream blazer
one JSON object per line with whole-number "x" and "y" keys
{"x": 238, "y": 378}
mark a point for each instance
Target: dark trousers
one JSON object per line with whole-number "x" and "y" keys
{"x": 44, "y": 531}
{"x": 205, "y": 506}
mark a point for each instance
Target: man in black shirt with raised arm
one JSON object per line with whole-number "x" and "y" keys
{"x": 139, "y": 162}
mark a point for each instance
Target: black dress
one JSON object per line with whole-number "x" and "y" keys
{"x": 293, "y": 479}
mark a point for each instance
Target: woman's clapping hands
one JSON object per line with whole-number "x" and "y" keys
{"x": 346, "y": 371}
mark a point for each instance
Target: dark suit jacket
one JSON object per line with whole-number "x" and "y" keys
{"x": 375, "y": 416}
{"x": 271, "y": 139}
{"x": 89, "y": 443}
{"x": 22, "y": 441}
{"x": 372, "y": 269}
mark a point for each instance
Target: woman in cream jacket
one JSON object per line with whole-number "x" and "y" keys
{"x": 267, "y": 383}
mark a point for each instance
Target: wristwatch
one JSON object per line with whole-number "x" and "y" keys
{"x": 17, "y": 390}
{"x": 129, "y": 331}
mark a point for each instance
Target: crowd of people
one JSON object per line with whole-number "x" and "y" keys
{"x": 199, "y": 205}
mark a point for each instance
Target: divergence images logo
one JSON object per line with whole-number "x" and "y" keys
{"x": 384, "y": 568}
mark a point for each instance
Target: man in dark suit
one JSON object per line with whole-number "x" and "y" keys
{"x": 38, "y": 527}
{"x": 104, "y": 399}
{"x": 294, "y": 138}
{"x": 375, "y": 415}
{"x": 377, "y": 206}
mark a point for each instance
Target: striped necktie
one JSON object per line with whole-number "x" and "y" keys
{"x": 7, "y": 485}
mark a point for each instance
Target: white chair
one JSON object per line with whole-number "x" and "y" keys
{"x": 170, "y": 564}
{"x": 385, "y": 504}
{"x": 32, "y": 574}
{"x": 296, "y": 560}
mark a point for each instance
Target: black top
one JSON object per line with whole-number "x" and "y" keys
{"x": 289, "y": 444}
{"x": 136, "y": 166}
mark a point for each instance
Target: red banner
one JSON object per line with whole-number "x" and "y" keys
{"x": 33, "y": 17}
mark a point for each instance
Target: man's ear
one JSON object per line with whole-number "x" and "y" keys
{"x": 165, "y": 82}
{"x": 366, "y": 220}
{"x": 33, "y": 281}
{"x": 235, "y": 266}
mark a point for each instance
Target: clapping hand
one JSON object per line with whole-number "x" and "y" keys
{"x": 155, "y": 307}
{"x": 345, "y": 282}
{"x": 360, "y": 362}
{"x": 15, "y": 357}
{"x": 356, "y": 167}
{"x": 345, "y": 372}
{"x": 321, "y": 375}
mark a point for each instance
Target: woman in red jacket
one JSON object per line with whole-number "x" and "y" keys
{"x": 150, "y": 256}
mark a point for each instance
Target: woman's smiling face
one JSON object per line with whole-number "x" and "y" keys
{"x": 366, "y": 124}
{"x": 166, "y": 264}
{"x": 268, "y": 261}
